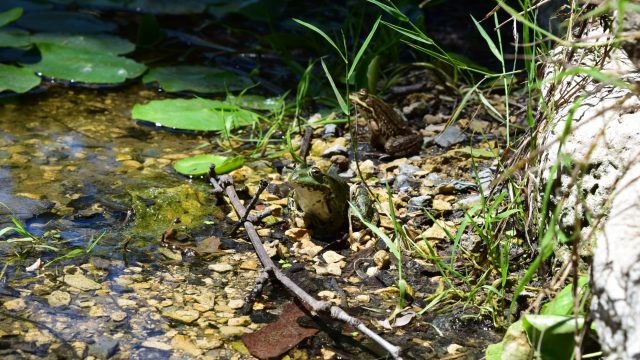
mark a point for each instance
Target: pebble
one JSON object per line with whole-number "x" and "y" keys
{"x": 233, "y": 331}
{"x": 156, "y": 345}
{"x": 174, "y": 255}
{"x": 81, "y": 282}
{"x": 419, "y": 202}
{"x": 335, "y": 150}
{"x": 126, "y": 302}
{"x": 15, "y": 305}
{"x": 221, "y": 267}
{"x": 104, "y": 347}
{"x": 183, "y": 343}
{"x": 249, "y": 265}
{"x": 59, "y": 298}
{"x": 236, "y": 303}
{"x": 381, "y": 259}
{"x": 183, "y": 315}
{"x": 118, "y": 316}
{"x": 363, "y": 299}
{"x": 332, "y": 257}
{"x": 239, "y": 321}
{"x": 450, "y": 136}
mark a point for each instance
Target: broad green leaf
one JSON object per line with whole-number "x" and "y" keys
{"x": 14, "y": 38}
{"x": 194, "y": 114}
{"x": 256, "y": 102}
{"x": 65, "y": 22}
{"x": 99, "y": 43}
{"x": 562, "y": 303}
{"x": 10, "y": 16}
{"x": 200, "y": 79}
{"x": 17, "y": 79}
{"x": 551, "y": 334}
{"x": 199, "y": 165}
{"x": 72, "y": 64}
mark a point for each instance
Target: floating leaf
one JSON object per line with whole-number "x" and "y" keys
{"x": 256, "y": 102}
{"x": 17, "y": 79}
{"x": 194, "y": 114}
{"x": 200, "y": 79}
{"x": 65, "y": 22}
{"x": 199, "y": 165}
{"x": 99, "y": 43}
{"x": 10, "y": 16}
{"x": 86, "y": 66}
{"x": 14, "y": 38}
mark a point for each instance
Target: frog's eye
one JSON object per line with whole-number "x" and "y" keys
{"x": 316, "y": 173}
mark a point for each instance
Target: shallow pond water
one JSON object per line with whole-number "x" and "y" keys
{"x": 71, "y": 160}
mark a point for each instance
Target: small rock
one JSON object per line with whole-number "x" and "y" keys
{"x": 450, "y": 136}
{"x": 335, "y": 150}
{"x": 104, "y": 347}
{"x": 233, "y": 331}
{"x": 239, "y": 321}
{"x": 433, "y": 119}
{"x": 156, "y": 345}
{"x": 330, "y": 130}
{"x": 15, "y": 305}
{"x": 126, "y": 302}
{"x": 81, "y": 282}
{"x": 332, "y": 257}
{"x": 132, "y": 164}
{"x": 118, "y": 316}
{"x": 209, "y": 342}
{"x": 381, "y": 259}
{"x": 97, "y": 311}
{"x": 419, "y": 202}
{"x": 236, "y": 303}
{"x": 367, "y": 168}
{"x": 441, "y": 206}
{"x": 183, "y": 343}
{"x": 363, "y": 299}
{"x": 183, "y": 315}
{"x": 249, "y": 265}
{"x": 372, "y": 271}
{"x": 59, "y": 298}
{"x": 221, "y": 267}
{"x": 408, "y": 169}
{"x": 174, "y": 255}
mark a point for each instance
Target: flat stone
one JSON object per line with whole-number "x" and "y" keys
{"x": 183, "y": 315}
{"x": 332, "y": 257}
{"x": 450, "y": 136}
{"x": 104, "y": 347}
{"x": 236, "y": 303}
{"x": 118, "y": 316}
{"x": 81, "y": 282}
{"x": 220, "y": 267}
{"x": 174, "y": 255}
{"x": 59, "y": 298}
{"x": 233, "y": 331}
{"x": 239, "y": 321}
{"x": 126, "y": 302}
{"x": 153, "y": 344}
{"x": 183, "y": 343}
{"x": 249, "y": 265}
{"x": 15, "y": 305}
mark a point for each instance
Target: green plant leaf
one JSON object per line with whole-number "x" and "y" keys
{"x": 341, "y": 102}
{"x": 551, "y": 334}
{"x": 14, "y": 38}
{"x": 201, "y": 79}
{"x": 73, "y": 64}
{"x": 364, "y": 46}
{"x": 17, "y": 79}
{"x": 562, "y": 303}
{"x": 194, "y": 114}
{"x": 65, "y": 21}
{"x": 99, "y": 42}
{"x": 256, "y": 102}
{"x": 199, "y": 165}
{"x": 324, "y": 35}
{"x": 487, "y": 38}
{"x": 10, "y": 16}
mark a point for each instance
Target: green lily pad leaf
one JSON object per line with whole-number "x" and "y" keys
{"x": 17, "y": 79}
{"x": 256, "y": 102}
{"x": 194, "y": 114}
{"x": 200, "y": 79}
{"x": 99, "y": 43}
{"x": 14, "y": 38}
{"x": 65, "y": 22}
{"x": 73, "y": 64}
{"x": 199, "y": 165}
{"x": 10, "y": 16}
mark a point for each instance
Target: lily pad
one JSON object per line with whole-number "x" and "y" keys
{"x": 14, "y": 38}
{"x": 194, "y": 114}
{"x": 200, "y": 79}
{"x": 66, "y": 22}
{"x": 10, "y": 16}
{"x": 99, "y": 42}
{"x": 199, "y": 165}
{"x": 17, "y": 79}
{"x": 256, "y": 102}
{"x": 86, "y": 66}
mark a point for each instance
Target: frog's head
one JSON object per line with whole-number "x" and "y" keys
{"x": 360, "y": 98}
{"x": 310, "y": 177}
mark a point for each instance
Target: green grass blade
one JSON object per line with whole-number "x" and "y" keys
{"x": 364, "y": 46}
{"x": 487, "y": 38}
{"x": 341, "y": 102}
{"x": 323, "y": 34}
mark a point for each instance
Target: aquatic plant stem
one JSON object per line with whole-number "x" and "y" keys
{"x": 225, "y": 183}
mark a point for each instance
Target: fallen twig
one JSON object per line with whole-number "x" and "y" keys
{"x": 270, "y": 270}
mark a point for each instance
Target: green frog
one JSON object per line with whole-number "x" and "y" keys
{"x": 321, "y": 197}
{"x": 389, "y": 132}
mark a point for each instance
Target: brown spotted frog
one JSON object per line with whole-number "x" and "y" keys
{"x": 389, "y": 132}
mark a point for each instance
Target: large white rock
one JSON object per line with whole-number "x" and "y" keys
{"x": 603, "y": 143}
